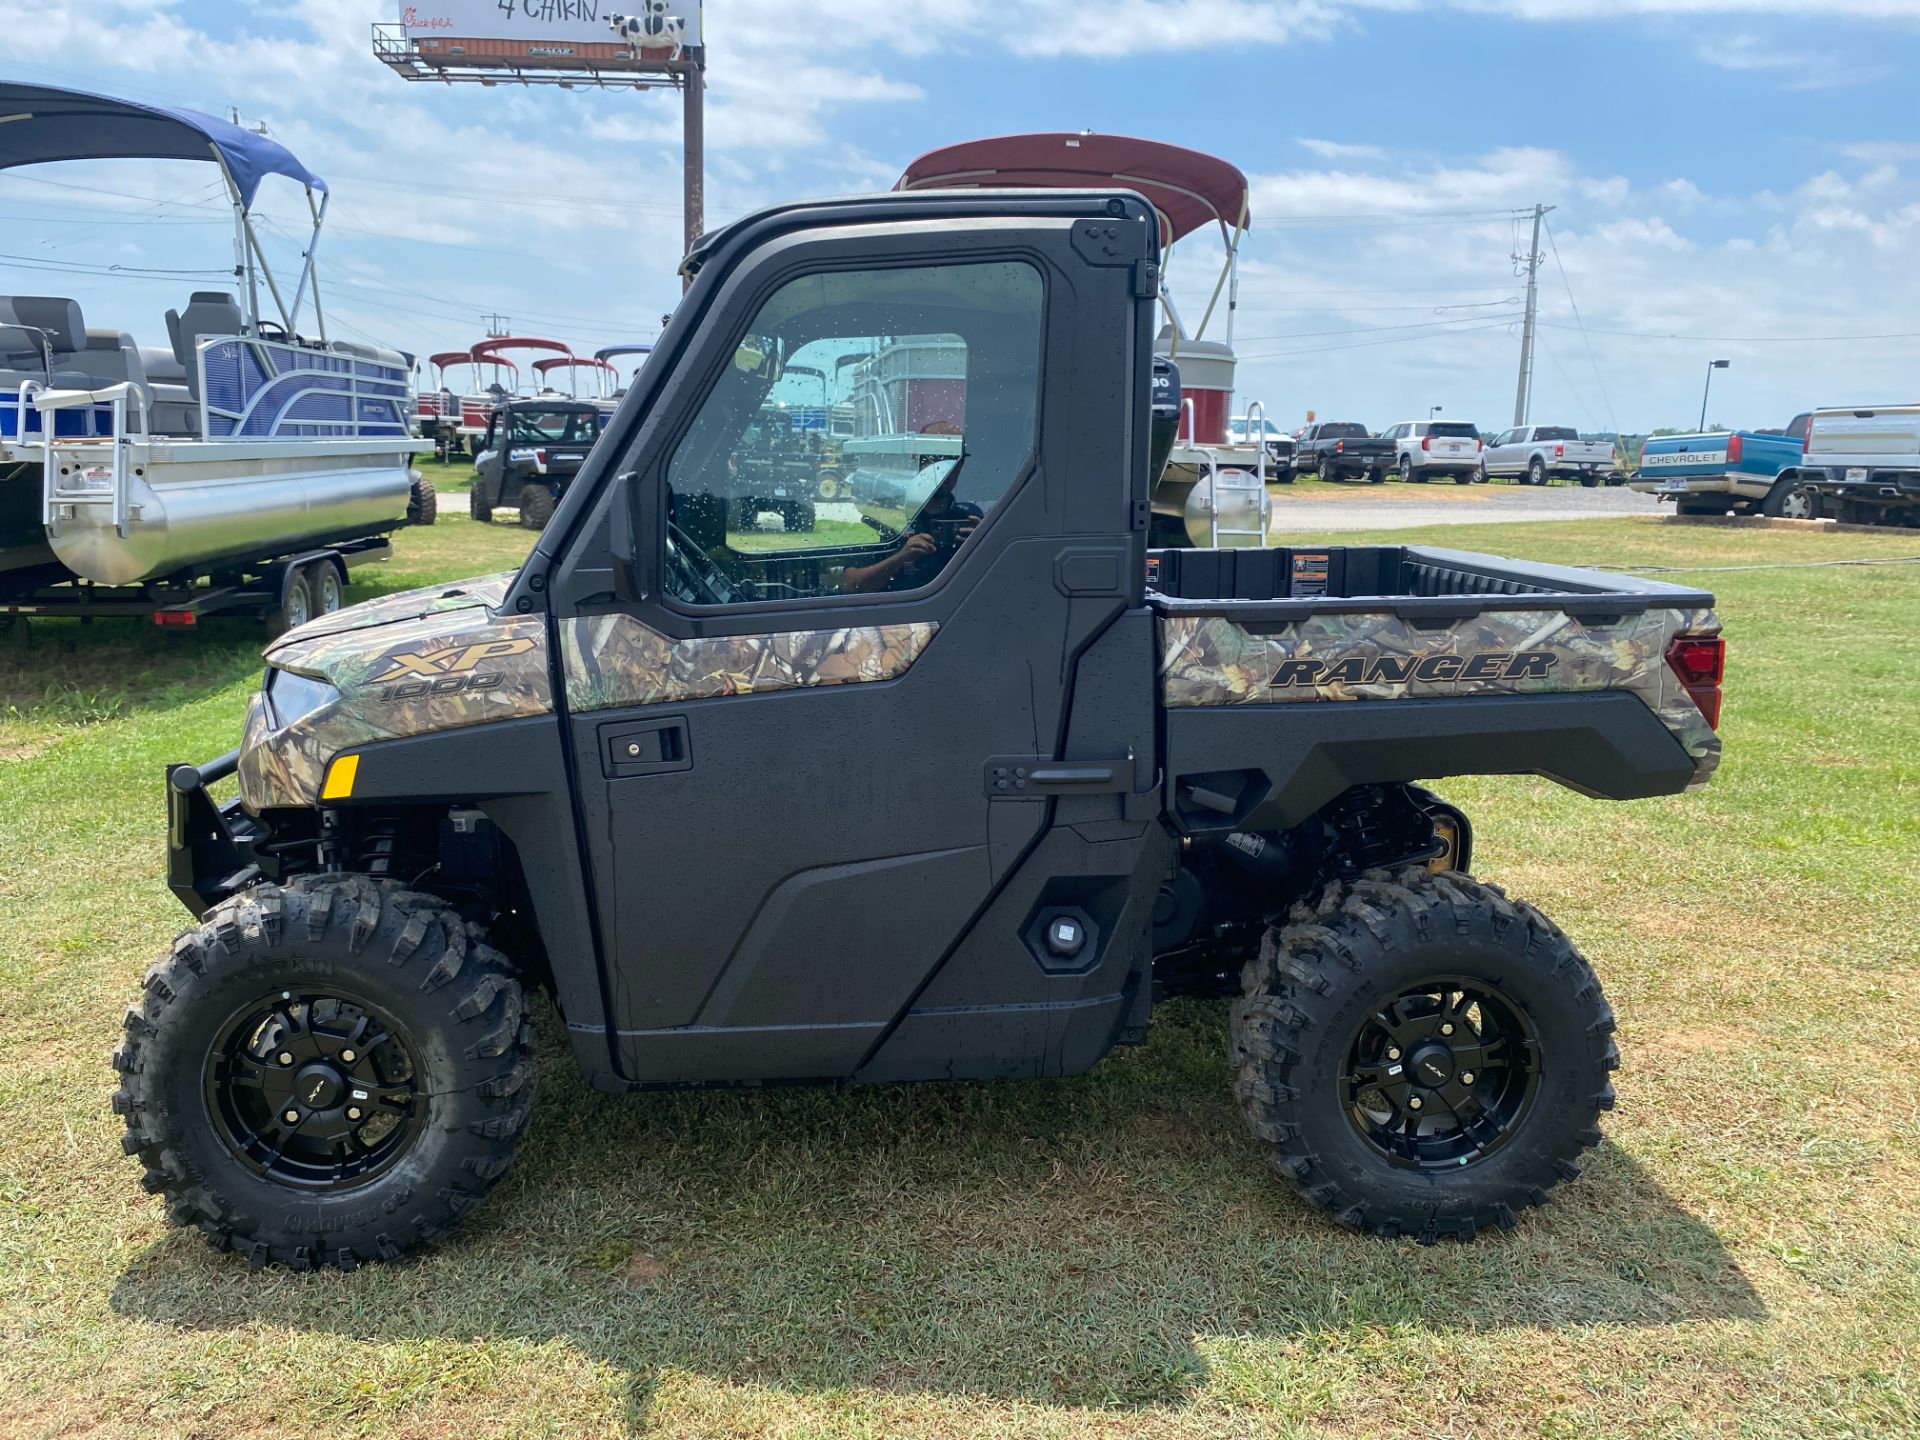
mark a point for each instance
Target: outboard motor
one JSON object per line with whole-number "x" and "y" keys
{"x": 1165, "y": 427}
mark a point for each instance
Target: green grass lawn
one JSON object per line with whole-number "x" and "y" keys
{"x": 1103, "y": 1256}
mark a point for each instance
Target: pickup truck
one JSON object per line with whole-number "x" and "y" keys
{"x": 1721, "y": 471}
{"x": 1862, "y": 465}
{"x": 1423, "y": 449}
{"x": 1342, "y": 449}
{"x": 1535, "y": 454}
{"x": 966, "y": 804}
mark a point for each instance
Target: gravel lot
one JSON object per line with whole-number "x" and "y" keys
{"x": 1395, "y": 507}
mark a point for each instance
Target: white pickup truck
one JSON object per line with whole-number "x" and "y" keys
{"x": 1861, "y": 465}
{"x": 1535, "y": 454}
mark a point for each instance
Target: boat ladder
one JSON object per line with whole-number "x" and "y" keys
{"x": 72, "y": 475}
{"x": 1232, "y": 480}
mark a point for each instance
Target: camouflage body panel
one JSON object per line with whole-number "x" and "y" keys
{"x": 1212, "y": 660}
{"x": 486, "y": 592}
{"x": 442, "y": 658}
{"x": 614, "y": 661}
{"x": 449, "y": 667}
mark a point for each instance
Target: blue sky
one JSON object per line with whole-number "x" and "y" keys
{"x": 1736, "y": 178}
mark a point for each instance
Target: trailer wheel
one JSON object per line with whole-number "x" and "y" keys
{"x": 422, "y": 504}
{"x": 1422, "y": 1055}
{"x": 326, "y": 1073}
{"x": 295, "y": 606}
{"x": 536, "y": 507}
{"x": 327, "y": 583}
{"x": 477, "y": 505}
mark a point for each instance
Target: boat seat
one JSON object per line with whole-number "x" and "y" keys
{"x": 56, "y": 319}
{"x": 160, "y": 365}
{"x": 210, "y": 315}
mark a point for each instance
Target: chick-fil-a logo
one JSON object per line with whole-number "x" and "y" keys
{"x": 412, "y": 19}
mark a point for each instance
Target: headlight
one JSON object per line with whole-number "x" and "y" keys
{"x": 291, "y": 696}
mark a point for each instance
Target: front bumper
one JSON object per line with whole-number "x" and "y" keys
{"x": 209, "y": 844}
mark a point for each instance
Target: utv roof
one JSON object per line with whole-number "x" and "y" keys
{"x": 43, "y": 123}
{"x": 1190, "y": 189}
{"x": 546, "y": 403}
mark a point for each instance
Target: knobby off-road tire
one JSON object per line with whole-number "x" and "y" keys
{"x": 477, "y": 506}
{"x": 1311, "y": 1006}
{"x": 423, "y": 503}
{"x": 536, "y": 507}
{"x": 400, "y": 960}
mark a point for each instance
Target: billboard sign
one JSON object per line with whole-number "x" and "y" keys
{"x": 658, "y": 29}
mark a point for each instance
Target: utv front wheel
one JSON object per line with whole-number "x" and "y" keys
{"x": 1422, "y": 1055}
{"x": 326, "y": 1073}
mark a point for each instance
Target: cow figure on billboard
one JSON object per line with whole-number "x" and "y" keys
{"x": 653, "y": 29}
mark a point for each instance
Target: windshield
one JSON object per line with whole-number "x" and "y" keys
{"x": 1343, "y": 432}
{"x": 556, "y": 427}
{"x": 1455, "y": 430}
{"x": 1556, "y": 432}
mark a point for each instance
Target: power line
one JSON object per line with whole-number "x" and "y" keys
{"x": 1591, "y": 358}
{"x": 1371, "y": 329}
{"x": 1749, "y": 339}
{"x": 1366, "y": 344}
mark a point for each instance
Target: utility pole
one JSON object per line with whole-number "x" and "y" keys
{"x": 1523, "y": 395}
{"x": 496, "y": 327}
{"x": 693, "y": 147}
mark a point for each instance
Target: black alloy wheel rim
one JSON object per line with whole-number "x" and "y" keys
{"x": 314, "y": 1090}
{"x": 1442, "y": 1075}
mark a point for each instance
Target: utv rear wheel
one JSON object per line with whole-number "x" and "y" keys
{"x": 1422, "y": 1055}
{"x": 326, "y": 1073}
{"x": 477, "y": 505}
{"x": 536, "y": 507}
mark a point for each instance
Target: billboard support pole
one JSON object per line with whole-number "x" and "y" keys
{"x": 693, "y": 148}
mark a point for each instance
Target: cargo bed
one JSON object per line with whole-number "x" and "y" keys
{"x": 1449, "y": 661}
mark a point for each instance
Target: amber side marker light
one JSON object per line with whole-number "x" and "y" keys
{"x": 340, "y": 777}
{"x": 1700, "y": 662}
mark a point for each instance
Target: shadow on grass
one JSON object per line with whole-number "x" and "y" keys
{"x": 1085, "y": 1242}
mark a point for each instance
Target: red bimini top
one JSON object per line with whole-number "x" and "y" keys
{"x": 1189, "y": 189}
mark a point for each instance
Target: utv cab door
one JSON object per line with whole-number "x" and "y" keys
{"x": 815, "y": 749}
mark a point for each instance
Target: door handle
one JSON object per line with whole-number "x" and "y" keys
{"x": 1024, "y": 777}
{"x": 645, "y": 747}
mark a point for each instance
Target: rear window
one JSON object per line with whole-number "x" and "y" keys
{"x": 1555, "y": 432}
{"x": 576, "y": 427}
{"x": 1455, "y": 429}
{"x": 1343, "y": 432}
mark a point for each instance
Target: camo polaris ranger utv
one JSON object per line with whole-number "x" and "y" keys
{"x": 961, "y": 795}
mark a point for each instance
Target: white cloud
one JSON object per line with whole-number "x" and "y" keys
{"x": 1340, "y": 150}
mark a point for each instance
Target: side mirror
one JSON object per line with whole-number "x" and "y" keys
{"x": 622, "y": 543}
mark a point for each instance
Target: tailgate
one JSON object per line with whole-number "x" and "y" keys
{"x": 1889, "y": 436}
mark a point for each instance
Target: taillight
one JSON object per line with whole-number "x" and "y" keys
{"x": 1339, "y": 447}
{"x": 540, "y": 458}
{"x": 1735, "y": 448}
{"x": 1426, "y": 442}
{"x": 1700, "y": 663}
{"x": 1479, "y": 444}
{"x": 1559, "y": 452}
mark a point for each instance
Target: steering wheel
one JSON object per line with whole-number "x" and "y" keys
{"x": 691, "y": 574}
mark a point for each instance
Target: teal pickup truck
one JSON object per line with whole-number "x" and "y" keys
{"x": 1723, "y": 472}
